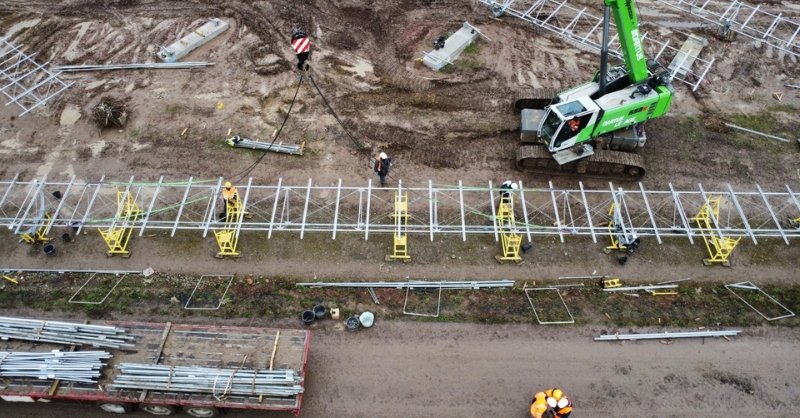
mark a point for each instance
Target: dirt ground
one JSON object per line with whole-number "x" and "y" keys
{"x": 453, "y": 125}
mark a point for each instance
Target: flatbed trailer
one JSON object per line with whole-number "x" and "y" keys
{"x": 173, "y": 345}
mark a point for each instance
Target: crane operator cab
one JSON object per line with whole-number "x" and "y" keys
{"x": 564, "y": 126}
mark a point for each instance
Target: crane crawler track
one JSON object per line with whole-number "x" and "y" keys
{"x": 603, "y": 164}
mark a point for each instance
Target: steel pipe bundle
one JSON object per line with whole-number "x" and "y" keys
{"x": 73, "y": 366}
{"x": 218, "y": 382}
{"x": 141, "y": 66}
{"x": 238, "y": 142}
{"x": 418, "y": 285}
{"x": 64, "y": 333}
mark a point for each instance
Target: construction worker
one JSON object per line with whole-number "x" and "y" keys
{"x": 574, "y": 124}
{"x": 229, "y": 194}
{"x": 382, "y": 165}
{"x": 539, "y": 407}
{"x": 557, "y": 399}
{"x": 507, "y": 187}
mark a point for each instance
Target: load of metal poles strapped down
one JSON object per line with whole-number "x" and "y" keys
{"x": 237, "y": 141}
{"x": 219, "y": 382}
{"x": 133, "y": 66}
{"x": 73, "y": 366}
{"x": 64, "y": 333}
{"x": 419, "y": 284}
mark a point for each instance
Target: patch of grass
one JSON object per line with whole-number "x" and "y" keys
{"x": 762, "y": 122}
{"x": 472, "y": 48}
{"x": 785, "y": 108}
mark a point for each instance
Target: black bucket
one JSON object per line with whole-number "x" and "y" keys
{"x": 57, "y": 194}
{"x": 622, "y": 260}
{"x": 76, "y": 226}
{"x": 308, "y": 317}
{"x": 50, "y": 250}
{"x": 319, "y": 311}
{"x": 352, "y": 323}
{"x": 66, "y": 237}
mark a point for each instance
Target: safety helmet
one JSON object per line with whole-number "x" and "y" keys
{"x": 558, "y": 394}
{"x": 228, "y": 185}
{"x": 383, "y": 156}
{"x": 514, "y": 186}
{"x": 552, "y": 402}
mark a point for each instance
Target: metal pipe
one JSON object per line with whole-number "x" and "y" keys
{"x": 668, "y": 335}
{"x": 604, "y": 51}
{"x": 648, "y": 288}
{"x": 134, "y": 66}
{"x": 401, "y": 285}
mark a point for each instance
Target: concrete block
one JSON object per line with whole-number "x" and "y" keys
{"x": 193, "y": 40}
{"x": 453, "y": 47}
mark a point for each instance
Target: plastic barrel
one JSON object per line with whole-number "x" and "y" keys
{"x": 66, "y": 237}
{"x": 319, "y": 311}
{"x": 50, "y": 249}
{"x": 308, "y": 317}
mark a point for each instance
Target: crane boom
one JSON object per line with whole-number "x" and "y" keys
{"x": 630, "y": 41}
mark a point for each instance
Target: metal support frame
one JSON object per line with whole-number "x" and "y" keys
{"x": 719, "y": 246}
{"x": 584, "y": 30}
{"x": 668, "y": 335}
{"x": 25, "y": 82}
{"x": 221, "y": 299}
{"x": 536, "y": 314}
{"x": 752, "y": 287}
{"x": 438, "y": 304}
{"x": 751, "y": 21}
{"x": 100, "y": 302}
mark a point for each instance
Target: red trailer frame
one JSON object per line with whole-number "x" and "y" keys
{"x": 178, "y": 345}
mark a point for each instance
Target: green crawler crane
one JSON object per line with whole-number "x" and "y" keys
{"x": 595, "y": 129}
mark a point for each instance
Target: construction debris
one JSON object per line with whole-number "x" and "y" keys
{"x": 668, "y": 335}
{"x": 777, "y": 138}
{"x": 64, "y": 333}
{"x": 237, "y": 141}
{"x": 110, "y": 113}
{"x": 80, "y": 366}
{"x": 193, "y": 40}
{"x": 135, "y": 66}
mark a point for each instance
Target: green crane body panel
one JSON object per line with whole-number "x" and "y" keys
{"x": 632, "y": 112}
{"x": 630, "y": 42}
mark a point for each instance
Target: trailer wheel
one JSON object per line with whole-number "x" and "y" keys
{"x": 116, "y": 407}
{"x": 202, "y": 411}
{"x": 162, "y": 410}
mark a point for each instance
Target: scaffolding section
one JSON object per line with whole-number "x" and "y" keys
{"x": 400, "y": 216}
{"x": 25, "y": 82}
{"x": 584, "y": 29}
{"x": 751, "y": 21}
{"x": 118, "y": 235}
{"x": 438, "y": 210}
{"x": 718, "y": 245}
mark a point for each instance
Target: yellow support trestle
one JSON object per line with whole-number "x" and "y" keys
{"x": 118, "y": 235}
{"x": 719, "y": 247}
{"x": 227, "y": 239}
{"x": 400, "y": 236}
{"x": 38, "y": 235}
{"x": 510, "y": 240}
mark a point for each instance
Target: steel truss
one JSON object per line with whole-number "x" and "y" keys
{"x": 582, "y": 28}
{"x": 435, "y": 210}
{"x": 24, "y": 81}
{"x": 744, "y": 19}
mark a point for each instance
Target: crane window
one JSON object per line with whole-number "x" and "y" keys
{"x": 571, "y": 108}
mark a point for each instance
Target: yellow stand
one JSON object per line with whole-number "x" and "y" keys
{"x": 611, "y": 282}
{"x": 38, "y": 235}
{"x": 719, "y": 247}
{"x": 510, "y": 240}
{"x": 226, "y": 238}
{"x": 794, "y": 223}
{"x": 118, "y": 236}
{"x": 400, "y": 216}
{"x": 615, "y": 244}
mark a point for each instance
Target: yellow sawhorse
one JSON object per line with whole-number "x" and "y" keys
{"x": 510, "y": 240}
{"x": 400, "y": 237}
{"x": 118, "y": 236}
{"x": 227, "y": 239}
{"x": 719, "y": 247}
{"x": 38, "y": 235}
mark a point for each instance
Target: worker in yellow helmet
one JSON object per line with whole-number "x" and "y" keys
{"x": 557, "y": 399}
{"x": 229, "y": 195}
{"x": 539, "y": 407}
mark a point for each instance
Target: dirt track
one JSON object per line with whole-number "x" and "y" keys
{"x": 457, "y": 370}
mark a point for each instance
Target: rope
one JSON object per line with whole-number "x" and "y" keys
{"x": 250, "y": 168}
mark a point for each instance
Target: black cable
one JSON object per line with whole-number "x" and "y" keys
{"x": 277, "y": 134}
{"x": 356, "y": 142}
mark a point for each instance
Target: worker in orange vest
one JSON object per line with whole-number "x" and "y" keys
{"x": 539, "y": 407}
{"x": 557, "y": 399}
{"x": 229, "y": 194}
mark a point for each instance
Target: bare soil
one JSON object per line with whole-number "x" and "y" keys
{"x": 457, "y": 124}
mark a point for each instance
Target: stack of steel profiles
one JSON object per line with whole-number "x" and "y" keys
{"x": 73, "y": 366}
{"x": 417, "y": 284}
{"x": 64, "y": 333}
{"x": 219, "y": 382}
